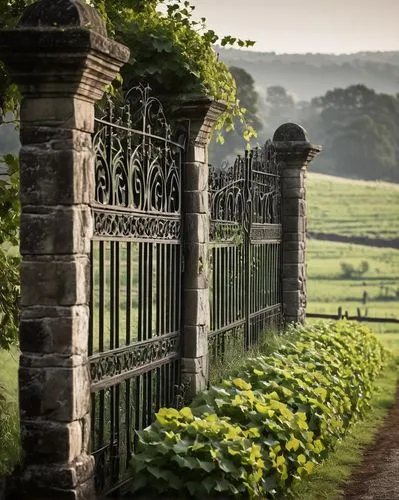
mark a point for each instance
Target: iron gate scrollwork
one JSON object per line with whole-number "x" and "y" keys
{"x": 134, "y": 343}
{"x": 245, "y": 238}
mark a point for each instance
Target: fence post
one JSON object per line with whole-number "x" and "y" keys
{"x": 62, "y": 69}
{"x": 200, "y": 115}
{"x": 294, "y": 153}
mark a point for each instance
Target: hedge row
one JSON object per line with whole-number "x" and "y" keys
{"x": 271, "y": 423}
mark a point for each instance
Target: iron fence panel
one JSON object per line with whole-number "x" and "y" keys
{"x": 245, "y": 253}
{"x": 134, "y": 343}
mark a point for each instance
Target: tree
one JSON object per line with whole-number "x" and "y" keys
{"x": 247, "y": 95}
{"x": 248, "y": 98}
{"x": 359, "y": 130}
{"x": 280, "y": 107}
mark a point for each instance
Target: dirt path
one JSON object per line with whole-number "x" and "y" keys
{"x": 377, "y": 476}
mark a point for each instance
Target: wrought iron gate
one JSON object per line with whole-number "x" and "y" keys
{"x": 245, "y": 237}
{"x": 135, "y": 278}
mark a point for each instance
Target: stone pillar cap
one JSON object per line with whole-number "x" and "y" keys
{"x": 293, "y": 139}
{"x": 290, "y": 132}
{"x": 62, "y": 13}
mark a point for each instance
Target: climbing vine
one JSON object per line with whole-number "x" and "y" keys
{"x": 170, "y": 50}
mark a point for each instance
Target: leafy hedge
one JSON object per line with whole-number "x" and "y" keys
{"x": 251, "y": 436}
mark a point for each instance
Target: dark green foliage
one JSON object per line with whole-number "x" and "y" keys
{"x": 359, "y": 130}
{"x": 233, "y": 141}
{"x": 9, "y": 256}
{"x": 258, "y": 431}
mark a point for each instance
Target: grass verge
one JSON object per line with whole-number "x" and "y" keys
{"x": 327, "y": 481}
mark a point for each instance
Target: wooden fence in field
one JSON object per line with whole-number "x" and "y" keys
{"x": 358, "y": 317}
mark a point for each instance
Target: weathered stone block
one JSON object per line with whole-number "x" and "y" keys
{"x": 55, "y": 138}
{"x": 67, "y": 112}
{"x": 195, "y": 176}
{"x": 61, "y": 177}
{"x": 297, "y": 245}
{"x": 65, "y": 476}
{"x": 293, "y": 270}
{"x": 195, "y": 341}
{"x": 292, "y": 298}
{"x": 196, "y": 228}
{"x": 61, "y": 282}
{"x": 48, "y": 442}
{"x": 194, "y": 374}
{"x": 292, "y": 207}
{"x": 59, "y": 394}
{"x": 292, "y": 284}
{"x": 291, "y": 181}
{"x": 299, "y": 193}
{"x": 195, "y": 266}
{"x": 291, "y": 223}
{"x": 293, "y": 236}
{"x": 62, "y": 330}
{"x": 292, "y": 167}
{"x": 36, "y": 488}
{"x": 195, "y": 202}
{"x": 195, "y": 308}
{"x": 293, "y": 257}
{"x": 55, "y": 230}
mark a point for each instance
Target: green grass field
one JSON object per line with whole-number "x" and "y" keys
{"x": 328, "y": 288}
{"x": 352, "y": 208}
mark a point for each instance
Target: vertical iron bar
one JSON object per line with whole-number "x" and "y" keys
{"x": 117, "y": 292}
{"x": 213, "y": 308}
{"x": 158, "y": 298}
{"x": 224, "y": 277}
{"x": 101, "y": 313}
{"x": 91, "y": 315}
{"x": 141, "y": 285}
{"x": 169, "y": 296}
{"x": 247, "y": 243}
{"x": 112, "y": 297}
{"x": 129, "y": 304}
{"x": 128, "y": 422}
{"x": 149, "y": 266}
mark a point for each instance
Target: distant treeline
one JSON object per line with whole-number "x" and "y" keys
{"x": 357, "y": 126}
{"x": 310, "y": 75}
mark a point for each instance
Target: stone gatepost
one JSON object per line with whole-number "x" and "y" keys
{"x": 61, "y": 59}
{"x": 200, "y": 115}
{"x": 294, "y": 153}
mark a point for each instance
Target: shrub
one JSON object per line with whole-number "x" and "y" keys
{"x": 290, "y": 406}
{"x": 199, "y": 452}
{"x": 9, "y": 433}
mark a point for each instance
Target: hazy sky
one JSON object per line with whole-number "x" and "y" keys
{"x": 333, "y": 26}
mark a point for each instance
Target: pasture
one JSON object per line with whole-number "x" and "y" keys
{"x": 355, "y": 208}
{"x": 335, "y": 278}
